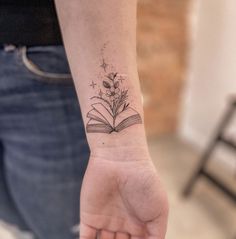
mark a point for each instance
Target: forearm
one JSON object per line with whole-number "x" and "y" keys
{"x": 100, "y": 40}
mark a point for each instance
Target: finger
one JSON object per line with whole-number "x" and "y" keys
{"x": 104, "y": 234}
{"x": 122, "y": 235}
{"x": 87, "y": 232}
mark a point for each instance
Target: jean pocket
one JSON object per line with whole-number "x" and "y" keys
{"x": 47, "y": 64}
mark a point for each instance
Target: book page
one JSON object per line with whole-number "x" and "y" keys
{"x": 95, "y": 115}
{"x": 94, "y": 126}
{"x": 125, "y": 114}
{"x": 105, "y": 113}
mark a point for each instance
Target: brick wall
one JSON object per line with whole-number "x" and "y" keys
{"x": 162, "y": 46}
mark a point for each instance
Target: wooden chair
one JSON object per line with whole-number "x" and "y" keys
{"x": 219, "y": 138}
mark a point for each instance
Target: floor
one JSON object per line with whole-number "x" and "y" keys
{"x": 207, "y": 214}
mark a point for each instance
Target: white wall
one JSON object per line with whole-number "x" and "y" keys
{"x": 212, "y": 70}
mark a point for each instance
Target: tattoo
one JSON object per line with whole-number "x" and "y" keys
{"x": 93, "y": 84}
{"x": 111, "y": 111}
{"x": 104, "y": 65}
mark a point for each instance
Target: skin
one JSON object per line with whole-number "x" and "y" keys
{"x": 122, "y": 196}
{"x": 122, "y": 200}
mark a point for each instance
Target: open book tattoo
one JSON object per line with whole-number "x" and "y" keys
{"x": 110, "y": 111}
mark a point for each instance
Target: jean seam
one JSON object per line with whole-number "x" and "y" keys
{"x": 43, "y": 75}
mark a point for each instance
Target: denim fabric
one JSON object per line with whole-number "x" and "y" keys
{"x": 43, "y": 149}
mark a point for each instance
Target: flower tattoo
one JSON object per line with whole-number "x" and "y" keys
{"x": 112, "y": 88}
{"x": 111, "y": 111}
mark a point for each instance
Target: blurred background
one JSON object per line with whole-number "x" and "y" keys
{"x": 186, "y": 58}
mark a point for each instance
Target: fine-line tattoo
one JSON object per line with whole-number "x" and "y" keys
{"x": 111, "y": 111}
{"x": 93, "y": 84}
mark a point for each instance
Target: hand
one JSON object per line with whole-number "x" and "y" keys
{"x": 122, "y": 199}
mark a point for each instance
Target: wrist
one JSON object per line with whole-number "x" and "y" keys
{"x": 127, "y": 145}
{"x": 121, "y": 153}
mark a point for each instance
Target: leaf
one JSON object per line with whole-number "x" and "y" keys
{"x": 106, "y": 84}
{"x": 125, "y": 106}
{"x": 112, "y": 76}
{"x": 116, "y": 85}
{"x": 115, "y": 74}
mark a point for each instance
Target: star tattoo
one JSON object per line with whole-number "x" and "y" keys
{"x": 93, "y": 84}
{"x": 104, "y": 65}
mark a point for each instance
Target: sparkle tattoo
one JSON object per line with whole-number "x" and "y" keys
{"x": 110, "y": 107}
{"x": 93, "y": 84}
{"x": 104, "y": 65}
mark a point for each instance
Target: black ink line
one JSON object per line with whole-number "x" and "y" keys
{"x": 111, "y": 111}
{"x": 93, "y": 84}
{"x": 104, "y": 65}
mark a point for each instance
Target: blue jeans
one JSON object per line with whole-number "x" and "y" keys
{"x": 43, "y": 148}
